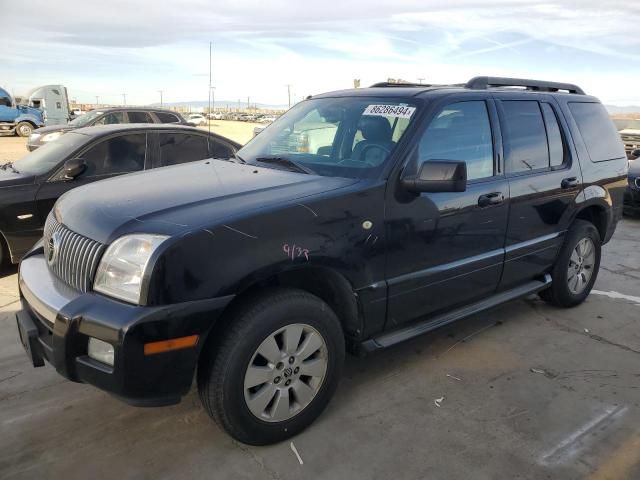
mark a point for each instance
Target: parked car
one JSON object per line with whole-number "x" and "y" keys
{"x": 30, "y": 186}
{"x": 630, "y": 135}
{"x": 632, "y": 195}
{"x": 107, "y": 116}
{"x": 255, "y": 276}
{"x": 215, "y": 116}
{"x": 267, "y": 119}
{"x": 196, "y": 120}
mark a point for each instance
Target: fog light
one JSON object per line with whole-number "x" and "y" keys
{"x": 101, "y": 351}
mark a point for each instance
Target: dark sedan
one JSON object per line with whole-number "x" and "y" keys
{"x": 30, "y": 186}
{"x": 107, "y": 116}
{"x": 632, "y": 195}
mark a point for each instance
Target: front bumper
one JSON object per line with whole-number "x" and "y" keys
{"x": 56, "y": 322}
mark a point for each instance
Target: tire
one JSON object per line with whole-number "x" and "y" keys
{"x": 24, "y": 129}
{"x": 572, "y": 276}
{"x": 225, "y": 374}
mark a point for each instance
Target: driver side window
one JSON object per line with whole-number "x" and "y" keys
{"x": 462, "y": 132}
{"x": 122, "y": 154}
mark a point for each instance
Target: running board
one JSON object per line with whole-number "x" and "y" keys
{"x": 396, "y": 336}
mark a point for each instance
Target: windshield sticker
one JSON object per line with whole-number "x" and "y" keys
{"x": 397, "y": 111}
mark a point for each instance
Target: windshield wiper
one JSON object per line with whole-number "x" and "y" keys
{"x": 239, "y": 158}
{"x": 9, "y": 165}
{"x": 286, "y": 162}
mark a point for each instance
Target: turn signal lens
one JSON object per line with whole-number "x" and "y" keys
{"x": 168, "y": 345}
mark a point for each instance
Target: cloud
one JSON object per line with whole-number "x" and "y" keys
{"x": 260, "y": 46}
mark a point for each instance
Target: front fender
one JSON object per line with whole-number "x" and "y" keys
{"x": 27, "y": 117}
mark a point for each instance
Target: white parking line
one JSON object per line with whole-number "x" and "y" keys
{"x": 616, "y": 295}
{"x": 578, "y": 440}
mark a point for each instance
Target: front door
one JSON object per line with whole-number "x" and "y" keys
{"x": 544, "y": 180}
{"x": 446, "y": 249}
{"x": 108, "y": 157}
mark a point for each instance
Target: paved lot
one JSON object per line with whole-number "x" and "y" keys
{"x": 527, "y": 391}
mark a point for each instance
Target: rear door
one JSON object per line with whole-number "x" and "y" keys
{"x": 175, "y": 148}
{"x": 115, "y": 155}
{"x": 446, "y": 249}
{"x": 544, "y": 179}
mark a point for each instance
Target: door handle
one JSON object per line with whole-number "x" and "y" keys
{"x": 570, "y": 182}
{"x": 495, "y": 198}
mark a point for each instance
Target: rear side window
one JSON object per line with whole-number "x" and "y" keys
{"x": 112, "y": 118}
{"x": 176, "y": 148}
{"x": 598, "y": 131}
{"x": 554, "y": 136}
{"x": 167, "y": 117}
{"x": 526, "y": 146}
{"x": 140, "y": 117}
{"x": 461, "y": 131}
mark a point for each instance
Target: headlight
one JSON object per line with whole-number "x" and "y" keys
{"x": 124, "y": 264}
{"x": 49, "y": 137}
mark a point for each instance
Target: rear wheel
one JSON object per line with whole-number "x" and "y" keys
{"x": 24, "y": 129}
{"x": 275, "y": 369}
{"x": 576, "y": 268}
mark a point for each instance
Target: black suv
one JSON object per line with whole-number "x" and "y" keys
{"x": 357, "y": 220}
{"x": 106, "y": 116}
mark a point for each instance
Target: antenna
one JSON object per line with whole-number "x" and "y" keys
{"x": 209, "y": 110}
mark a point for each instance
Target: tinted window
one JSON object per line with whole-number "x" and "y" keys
{"x": 116, "y": 155}
{"x": 140, "y": 117}
{"x": 554, "y": 136}
{"x": 111, "y": 119}
{"x": 167, "y": 117}
{"x": 526, "y": 140}
{"x": 5, "y": 101}
{"x": 220, "y": 149}
{"x": 461, "y": 131}
{"x": 50, "y": 154}
{"x": 598, "y": 131}
{"x": 178, "y": 148}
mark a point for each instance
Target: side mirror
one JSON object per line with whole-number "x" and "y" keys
{"x": 73, "y": 168}
{"x": 635, "y": 153}
{"x": 437, "y": 176}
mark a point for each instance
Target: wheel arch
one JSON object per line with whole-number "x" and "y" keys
{"x": 598, "y": 215}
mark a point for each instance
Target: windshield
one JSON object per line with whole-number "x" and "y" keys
{"x": 344, "y": 137}
{"x": 83, "y": 120}
{"x": 49, "y": 155}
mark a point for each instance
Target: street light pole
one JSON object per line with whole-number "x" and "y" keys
{"x": 289, "y": 93}
{"x": 160, "y": 97}
{"x": 97, "y": 100}
{"x": 420, "y": 80}
{"x": 124, "y": 98}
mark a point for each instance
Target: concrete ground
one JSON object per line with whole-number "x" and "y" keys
{"x": 525, "y": 391}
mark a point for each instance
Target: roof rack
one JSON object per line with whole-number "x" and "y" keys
{"x": 482, "y": 83}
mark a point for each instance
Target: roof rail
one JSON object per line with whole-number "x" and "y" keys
{"x": 482, "y": 83}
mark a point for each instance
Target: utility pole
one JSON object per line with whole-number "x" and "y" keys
{"x": 160, "y": 91}
{"x": 97, "y": 100}
{"x": 124, "y": 98}
{"x": 210, "y": 87}
{"x": 248, "y": 103}
{"x": 289, "y": 93}
{"x": 420, "y": 80}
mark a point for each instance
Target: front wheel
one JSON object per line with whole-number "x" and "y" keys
{"x": 275, "y": 369}
{"x": 24, "y": 129}
{"x": 576, "y": 267}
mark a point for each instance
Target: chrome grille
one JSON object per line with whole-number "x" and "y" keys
{"x": 71, "y": 257}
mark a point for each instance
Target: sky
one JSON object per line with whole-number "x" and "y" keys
{"x": 134, "y": 47}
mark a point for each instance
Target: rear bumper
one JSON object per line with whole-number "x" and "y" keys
{"x": 56, "y": 322}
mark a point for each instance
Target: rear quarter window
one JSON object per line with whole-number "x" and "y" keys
{"x": 598, "y": 131}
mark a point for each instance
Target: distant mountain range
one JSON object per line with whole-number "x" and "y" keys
{"x": 627, "y": 109}
{"x": 220, "y": 104}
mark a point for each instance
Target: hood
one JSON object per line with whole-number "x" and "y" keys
{"x": 9, "y": 178}
{"x": 182, "y": 198}
{"x": 53, "y": 128}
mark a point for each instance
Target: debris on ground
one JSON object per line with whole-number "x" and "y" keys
{"x": 295, "y": 450}
{"x": 455, "y": 378}
{"x": 538, "y": 370}
{"x": 438, "y": 402}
